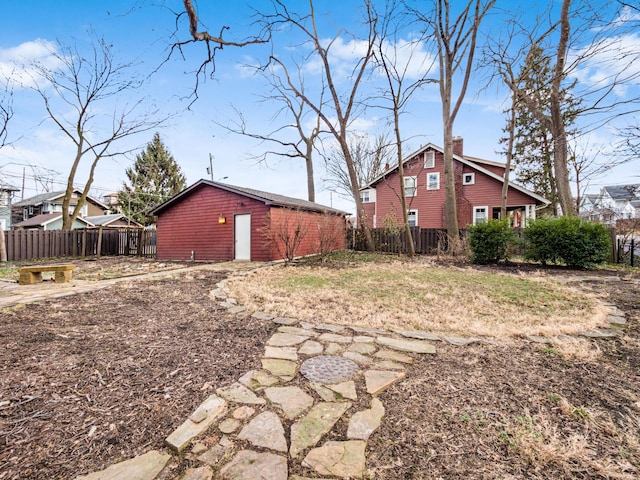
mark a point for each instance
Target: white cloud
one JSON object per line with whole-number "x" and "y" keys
{"x": 17, "y": 63}
{"x": 411, "y": 58}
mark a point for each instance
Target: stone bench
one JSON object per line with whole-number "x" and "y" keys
{"x": 33, "y": 274}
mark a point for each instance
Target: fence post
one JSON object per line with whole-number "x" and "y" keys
{"x": 632, "y": 250}
{"x": 615, "y": 248}
{"x": 99, "y": 252}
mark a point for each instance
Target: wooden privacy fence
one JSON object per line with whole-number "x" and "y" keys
{"x": 32, "y": 244}
{"x": 425, "y": 240}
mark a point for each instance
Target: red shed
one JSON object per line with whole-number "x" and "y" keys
{"x": 219, "y": 222}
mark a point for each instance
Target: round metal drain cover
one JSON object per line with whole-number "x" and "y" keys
{"x": 329, "y": 369}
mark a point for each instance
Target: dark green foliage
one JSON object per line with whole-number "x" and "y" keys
{"x": 490, "y": 241}
{"x": 569, "y": 240}
{"x": 154, "y": 178}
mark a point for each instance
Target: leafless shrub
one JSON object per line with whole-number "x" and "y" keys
{"x": 285, "y": 230}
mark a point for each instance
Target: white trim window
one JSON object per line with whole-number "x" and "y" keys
{"x": 429, "y": 159}
{"x": 364, "y": 196}
{"x": 480, "y": 214}
{"x": 410, "y": 186}
{"x": 412, "y": 218}
{"x": 468, "y": 178}
{"x": 433, "y": 181}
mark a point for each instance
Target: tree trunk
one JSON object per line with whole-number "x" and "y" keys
{"x": 403, "y": 194}
{"x": 3, "y": 246}
{"x": 451, "y": 210}
{"x": 507, "y": 170}
{"x": 311, "y": 192}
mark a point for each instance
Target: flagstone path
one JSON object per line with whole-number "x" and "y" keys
{"x": 310, "y": 409}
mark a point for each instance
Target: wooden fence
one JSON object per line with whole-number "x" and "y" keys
{"x": 32, "y": 244}
{"x": 425, "y": 240}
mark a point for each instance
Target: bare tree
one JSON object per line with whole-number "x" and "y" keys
{"x": 370, "y": 158}
{"x": 400, "y": 87}
{"x": 456, "y": 39}
{"x": 6, "y": 113}
{"x": 343, "y": 103}
{"x": 302, "y": 144}
{"x": 75, "y": 94}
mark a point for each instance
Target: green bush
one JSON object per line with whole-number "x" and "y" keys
{"x": 568, "y": 240}
{"x": 490, "y": 241}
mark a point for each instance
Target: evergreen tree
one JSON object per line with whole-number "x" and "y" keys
{"x": 533, "y": 147}
{"x": 154, "y": 178}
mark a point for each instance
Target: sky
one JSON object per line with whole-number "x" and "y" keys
{"x": 141, "y": 33}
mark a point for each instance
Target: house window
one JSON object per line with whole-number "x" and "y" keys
{"x": 468, "y": 178}
{"x": 410, "y": 184}
{"x": 480, "y": 214}
{"x": 412, "y": 218}
{"x": 364, "y": 196}
{"x": 25, "y": 213}
{"x": 429, "y": 159}
{"x": 433, "y": 181}
{"x": 30, "y": 209}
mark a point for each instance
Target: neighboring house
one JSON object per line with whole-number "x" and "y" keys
{"x": 220, "y": 222}
{"x": 478, "y": 192}
{"x": 111, "y": 201}
{"x": 612, "y": 203}
{"x": 51, "y": 202}
{"x": 113, "y": 220}
{"x": 50, "y": 221}
{"x": 6, "y": 194}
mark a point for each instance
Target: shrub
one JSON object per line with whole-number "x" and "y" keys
{"x": 490, "y": 241}
{"x": 569, "y": 240}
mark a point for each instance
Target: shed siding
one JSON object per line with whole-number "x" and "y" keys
{"x": 192, "y": 225}
{"x": 486, "y": 191}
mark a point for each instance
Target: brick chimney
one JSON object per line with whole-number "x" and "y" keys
{"x": 458, "y": 146}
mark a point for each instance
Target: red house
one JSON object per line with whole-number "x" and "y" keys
{"x": 219, "y": 222}
{"x": 478, "y": 191}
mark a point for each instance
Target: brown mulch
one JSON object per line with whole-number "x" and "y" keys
{"x": 95, "y": 378}
{"x": 100, "y": 377}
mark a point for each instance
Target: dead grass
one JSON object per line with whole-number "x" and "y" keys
{"x": 412, "y": 295}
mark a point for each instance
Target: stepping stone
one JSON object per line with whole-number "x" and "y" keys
{"x": 334, "y": 349}
{"x": 363, "y": 424}
{"x": 377, "y": 381}
{"x": 213, "y": 455}
{"x": 218, "y": 294}
{"x": 341, "y": 459}
{"x": 238, "y": 393}
{"x": 394, "y": 356}
{"x": 237, "y": 309}
{"x": 334, "y": 338}
{"x": 324, "y": 393}
{"x": 143, "y": 467}
{"x": 201, "y": 473}
{"x": 616, "y": 320}
{"x": 283, "y": 353}
{"x": 363, "y": 348}
{"x": 363, "y": 339}
{"x": 308, "y": 431}
{"x": 250, "y": 465}
{"x": 538, "y": 339}
{"x": 329, "y": 369}
{"x": 411, "y": 346}
{"x": 369, "y": 331}
{"x": 417, "y": 335}
{"x": 284, "y": 321}
{"x": 388, "y": 365}
{"x": 229, "y": 425}
{"x": 242, "y": 413}
{"x": 307, "y": 325}
{"x": 345, "y": 389}
{"x": 262, "y": 316}
{"x": 277, "y": 367}
{"x": 461, "y": 341}
{"x": 311, "y": 347}
{"x": 298, "y": 477}
{"x": 358, "y": 358}
{"x": 256, "y": 379}
{"x": 598, "y": 334}
{"x": 266, "y": 431}
{"x": 292, "y": 400}
{"x": 206, "y": 414}
{"x": 286, "y": 340}
{"x": 330, "y": 328}
{"x": 297, "y": 331}
{"x": 229, "y": 303}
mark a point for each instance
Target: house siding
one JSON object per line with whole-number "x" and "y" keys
{"x": 430, "y": 204}
{"x": 192, "y": 225}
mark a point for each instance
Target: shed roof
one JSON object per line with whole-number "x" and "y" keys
{"x": 44, "y": 219}
{"x": 50, "y": 196}
{"x": 8, "y": 188}
{"x": 105, "y": 220}
{"x": 268, "y": 198}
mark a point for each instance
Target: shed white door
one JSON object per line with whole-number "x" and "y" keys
{"x": 242, "y": 237}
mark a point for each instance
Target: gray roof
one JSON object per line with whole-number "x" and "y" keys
{"x": 103, "y": 220}
{"x": 266, "y": 197}
{"x": 43, "y": 197}
{"x": 8, "y": 188}
{"x": 43, "y": 219}
{"x": 623, "y": 192}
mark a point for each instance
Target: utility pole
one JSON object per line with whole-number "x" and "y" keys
{"x": 210, "y": 169}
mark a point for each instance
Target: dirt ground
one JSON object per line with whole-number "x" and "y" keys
{"x": 99, "y": 377}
